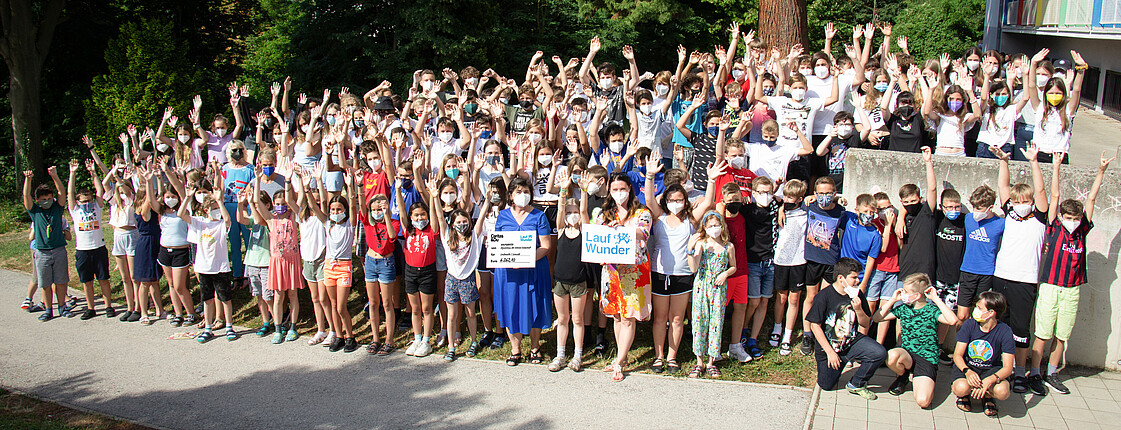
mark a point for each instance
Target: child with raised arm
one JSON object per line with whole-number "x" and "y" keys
{"x": 284, "y": 277}
{"x": 208, "y": 227}
{"x": 120, "y": 197}
{"x": 313, "y": 246}
{"x": 336, "y": 216}
{"x": 1062, "y": 271}
{"x": 462, "y": 247}
{"x": 49, "y": 255}
{"x": 257, "y": 254}
{"x": 420, "y": 267}
{"x": 919, "y": 317}
{"x": 90, "y": 255}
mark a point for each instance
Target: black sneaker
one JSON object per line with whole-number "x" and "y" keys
{"x": 807, "y": 346}
{"x": 601, "y": 347}
{"x": 89, "y": 313}
{"x": 350, "y": 345}
{"x": 900, "y": 384}
{"x": 1053, "y": 381}
{"x": 110, "y": 312}
{"x": 1035, "y": 384}
{"x": 125, "y": 316}
{"x": 486, "y": 339}
{"x": 336, "y": 344}
{"x": 945, "y": 358}
{"x": 135, "y": 317}
{"x": 1019, "y": 384}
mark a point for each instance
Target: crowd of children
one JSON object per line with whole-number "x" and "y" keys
{"x": 729, "y": 169}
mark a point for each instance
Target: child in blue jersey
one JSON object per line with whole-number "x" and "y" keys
{"x": 983, "y": 230}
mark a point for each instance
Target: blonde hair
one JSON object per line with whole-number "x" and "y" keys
{"x": 916, "y": 282}
{"x": 235, "y": 144}
{"x": 794, "y": 188}
{"x": 1021, "y": 191}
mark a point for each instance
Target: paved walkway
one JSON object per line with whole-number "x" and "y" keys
{"x": 1094, "y": 403}
{"x": 133, "y": 372}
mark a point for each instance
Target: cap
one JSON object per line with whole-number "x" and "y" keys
{"x": 384, "y": 103}
{"x": 1063, "y": 64}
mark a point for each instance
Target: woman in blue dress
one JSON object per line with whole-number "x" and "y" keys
{"x": 523, "y": 297}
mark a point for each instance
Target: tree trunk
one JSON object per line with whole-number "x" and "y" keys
{"x": 24, "y": 43}
{"x": 782, "y": 23}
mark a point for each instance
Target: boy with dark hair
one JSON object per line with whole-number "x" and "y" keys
{"x": 949, "y": 245}
{"x": 90, "y": 255}
{"x": 49, "y": 256}
{"x": 842, "y": 136}
{"x": 825, "y": 224}
{"x": 834, "y": 319}
{"x": 762, "y": 231}
{"x": 862, "y": 242}
{"x": 983, "y": 356}
{"x": 915, "y": 228}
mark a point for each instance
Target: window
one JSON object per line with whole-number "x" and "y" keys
{"x": 1111, "y": 12}
{"x": 1090, "y": 87}
{"x": 1079, "y": 12}
{"x": 1111, "y": 100}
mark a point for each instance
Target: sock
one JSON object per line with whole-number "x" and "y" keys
{"x": 444, "y": 332}
{"x": 777, "y": 330}
{"x": 579, "y": 352}
{"x": 787, "y": 334}
{"x": 1018, "y": 371}
{"x": 426, "y": 339}
{"x": 1034, "y": 371}
{"x": 331, "y": 334}
{"x": 416, "y": 338}
{"x": 560, "y": 350}
{"x": 751, "y": 341}
{"x": 1052, "y": 369}
{"x": 745, "y": 333}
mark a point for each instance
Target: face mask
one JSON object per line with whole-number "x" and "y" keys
{"x": 1070, "y": 225}
{"x": 572, "y": 219}
{"x": 868, "y": 75}
{"x": 913, "y": 208}
{"x": 910, "y": 298}
{"x": 492, "y": 159}
{"x": 331, "y": 119}
{"x": 1000, "y": 100}
{"x": 1041, "y": 81}
{"x": 736, "y": 161}
{"x": 712, "y": 131}
{"x": 183, "y": 138}
{"x": 471, "y": 82}
{"x": 798, "y": 94}
{"x": 533, "y": 137}
{"x": 375, "y": 164}
{"x": 200, "y": 197}
{"x": 616, "y": 146}
{"x": 1022, "y": 210}
{"x": 806, "y": 72}
{"x": 762, "y": 199}
{"x": 421, "y": 224}
{"x": 852, "y": 292}
{"x": 620, "y": 197}
{"x": 593, "y": 188}
{"x": 880, "y": 86}
{"x": 171, "y": 202}
{"x": 977, "y": 216}
{"x": 470, "y": 108}
{"x": 358, "y": 123}
{"x": 215, "y": 214}
{"x": 1054, "y": 99}
{"x": 237, "y": 154}
{"x": 462, "y": 228}
{"x": 954, "y": 105}
{"x": 770, "y": 142}
{"x": 606, "y": 83}
{"x": 541, "y": 98}
{"x": 714, "y": 231}
{"x": 406, "y": 183}
{"x": 445, "y": 136}
{"x": 844, "y": 130}
{"x": 452, "y": 173}
{"x": 953, "y": 76}
{"x": 267, "y": 170}
{"x": 675, "y": 208}
{"x": 646, "y": 109}
{"x": 905, "y": 111}
{"x": 1019, "y": 73}
{"x": 521, "y": 200}
{"x": 578, "y": 88}
{"x": 338, "y": 218}
{"x": 526, "y": 104}
{"x": 768, "y": 92}
{"x": 282, "y": 209}
{"x": 576, "y": 179}
{"x": 448, "y": 198}
{"x": 688, "y": 186}
{"x": 737, "y": 74}
{"x": 46, "y": 204}
{"x": 503, "y": 100}
{"x": 305, "y": 128}
{"x": 972, "y": 64}
{"x": 789, "y": 206}
{"x": 495, "y": 198}
{"x": 379, "y": 215}
{"x": 545, "y": 160}
{"x": 733, "y": 207}
{"x": 978, "y": 315}
{"x": 824, "y": 200}
{"x": 865, "y": 219}
{"x": 662, "y": 89}
{"x": 953, "y": 215}
{"x": 220, "y": 132}
{"x": 821, "y": 72}
{"x": 427, "y": 85}
{"x": 485, "y": 134}
{"x": 162, "y": 147}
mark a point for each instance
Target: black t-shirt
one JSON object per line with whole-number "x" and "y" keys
{"x": 762, "y": 230}
{"x": 568, "y": 267}
{"x": 594, "y": 202}
{"x": 949, "y": 239}
{"x": 704, "y": 153}
{"x": 837, "y": 317}
{"x": 983, "y": 350}
{"x": 906, "y": 134}
{"x": 917, "y": 253}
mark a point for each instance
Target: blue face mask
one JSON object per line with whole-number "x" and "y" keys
{"x": 712, "y": 131}
{"x": 880, "y": 86}
{"x": 359, "y": 123}
{"x": 267, "y": 170}
{"x": 1000, "y": 100}
{"x": 576, "y": 179}
{"x": 952, "y": 215}
{"x": 452, "y": 173}
{"x": 770, "y": 142}
{"x": 485, "y": 134}
{"x": 768, "y": 92}
{"x": 406, "y": 183}
{"x": 331, "y": 120}
{"x": 824, "y": 200}
{"x": 493, "y": 159}
{"x": 866, "y": 219}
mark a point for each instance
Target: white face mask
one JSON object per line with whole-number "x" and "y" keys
{"x": 606, "y": 83}
{"x": 448, "y": 198}
{"x": 215, "y": 214}
{"x": 910, "y": 298}
{"x": 821, "y": 72}
{"x": 714, "y": 231}
{"x": 533, "y": 137}
{"x": 183, "y": 138}
{"x": 545, "y": 160}
{"x": 844, "y": 130}
{"x": 646, "y": 109}
{"x": 572, "y": 219}
{"x": 583, "y": 117}
{"x": 305, "y": 128}
{"x": 1022, "y": 210}
{"x": 620, "y": 197}
{"x": 688, "y": 185}
{"x": 471, "y": 82}
{"x": 420, "y": 224}
{"x": 578, "y": 88}
{"x": 337, "y": 218}
{"x": 171, "y": 202}
{"x": 805, "y": 72}
{"x": 593, "y": 188}
{"x": 162, "y": 147}
{"x": 220, "y": 132}
{"x": 977, "y": 216}
{"x": 868, "y": 75}
{"x": 737, "y": 161}
{"x": 675, "y": 208}
{"x": 1041, "y": 81}
{"x": 200, "y": 197}
{"x": 662, "y": 89}
{"x": 737, "y": 74}
{"x": 616, "y": 146}
{"x": 375, "y": 164}
{"x": 852, "y": 292}
{"x": 521, "y": 200}
{"x": 445, "y": 137}
{"x": 426, "y": 85}
{"x": 972, "y": 64}
{"x": 762, "y": 199}
{"x": 1070, "y": 225}
{"x": 798, "y": 94}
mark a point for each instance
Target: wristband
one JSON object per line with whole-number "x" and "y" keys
{"x": 1081, "y": 66}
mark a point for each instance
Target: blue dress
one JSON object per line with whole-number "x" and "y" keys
{"x": 145, "y": 267}
{"x": 523, "y": 298}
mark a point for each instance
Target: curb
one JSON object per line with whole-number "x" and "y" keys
{"x": 812, "y": 408}
{"x": 80, "y": 408}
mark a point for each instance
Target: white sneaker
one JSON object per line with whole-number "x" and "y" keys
{"x": 317, "y": 339}
{"x": 423, "y": 350}
{"x": 736, "y": 351}
{"x": 411, "y": 350}
{"x": 327, "y": 340}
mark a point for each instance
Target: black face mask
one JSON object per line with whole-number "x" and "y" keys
{"x": 269, "y": 123}
{"x": 527, "y": 104}
{"x": 734, "y": 207}
{"x": 236, "y": 154}
{"x": 905, "y": 111}
{"x": 914, "y": 209}
{"x": 789, "y": 206}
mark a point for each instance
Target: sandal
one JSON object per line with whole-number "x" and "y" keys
{"x": 513, "y": 359}
{"x": 658, "y": 366}
{"x": 145, "y": 320}
{"x": 617, "y": 373}
{"x": 713, "y": 372}
{"x": 696, "y": 371}
{"x": 672, "y": 366}
{"x": 373, "y": 348}
{"x": 535, "y": 356}
{"x": 965, "y": 404}
{"x": 473, "y": 349}
{"x": 385, "y": 349}
{"x": 990, "y": 407}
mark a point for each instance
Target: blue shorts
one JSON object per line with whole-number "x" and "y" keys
{"x": 882, "y": 285}
{"x": 460, "y": 290}
{"x": 380, "y": 269}
{"x": 761, "y": 279}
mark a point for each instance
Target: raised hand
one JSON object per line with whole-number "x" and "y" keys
{"x": 275, "y": 89}
{"x": 232, "y": 89}
{"x": 681, "y": 53}
{"x": 829, "y": 30}
{"x": 1077, "y": 58}
{"x": 287, "y": 83}
{"x": 131, "y": 129}
{"x": 193, "y": 116}
{"x": 245, "y": 90}
{"x": 1039, "y": 56}
{"x": 1104, "y": 163}
{"x": 628, "y": 52}
{"x": 197, "y": 102}
{"x": 73, "y": 164}
{"x": 857, "y": 31}
{"x": 927, "y": 155}
{"x": 902, "y": 42}
{"x": 885, "y": 28}
{"x": 87, "y": 141}
{"x": 594, "y": 45}
{"x": 168, "y": 112}
{"x": 301, "y": 99}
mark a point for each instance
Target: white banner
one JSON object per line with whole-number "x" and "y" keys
{"x": 602, "y": 244}
{"x": 512, "y": 249}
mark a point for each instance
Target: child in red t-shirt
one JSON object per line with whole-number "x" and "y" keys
{"x": 420, "y": 271}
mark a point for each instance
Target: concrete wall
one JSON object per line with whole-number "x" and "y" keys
{"x": 1096, "y": 340}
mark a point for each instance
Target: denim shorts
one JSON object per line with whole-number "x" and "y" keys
{"x": 882, "y": 285}
{"x": 380, "y": 269}
{"x": 761, "y": 279}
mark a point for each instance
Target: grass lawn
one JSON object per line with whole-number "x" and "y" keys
{"x": 25, "y": 413}
{"x": 793, "y": 369}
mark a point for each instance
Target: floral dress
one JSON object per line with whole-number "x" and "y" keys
{"x": 708, "y": 303}
{"x": 285, "y": 268}
{"x": 626, "y": 287}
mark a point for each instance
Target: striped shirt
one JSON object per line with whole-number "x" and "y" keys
{"x": 1064, "y": 255}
